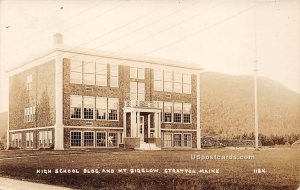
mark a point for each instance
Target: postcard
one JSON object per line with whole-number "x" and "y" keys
{"x": 148, "y": 94}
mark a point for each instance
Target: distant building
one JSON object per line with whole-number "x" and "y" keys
{"x": 70, "y": 98}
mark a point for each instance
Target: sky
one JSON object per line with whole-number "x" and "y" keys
{"x": 224, "y": 36}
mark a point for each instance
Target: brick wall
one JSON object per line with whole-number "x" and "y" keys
{"x": 122, "y": 92}
{"x": 42, "y": 95}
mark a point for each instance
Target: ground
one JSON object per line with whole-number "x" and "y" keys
{"x": 279, "y": 166}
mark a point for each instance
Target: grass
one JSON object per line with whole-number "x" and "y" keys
{"x": 282, "y": 166}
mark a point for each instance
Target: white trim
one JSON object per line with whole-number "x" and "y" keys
{"x": 178, "y": 130}
{"x": 198, "y": 136}
{"x": 58, "y": 132}
{"x": 30, "y": 129}
{"x": 85, "y": 127}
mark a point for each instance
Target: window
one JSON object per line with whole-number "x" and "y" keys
{"x": 133, "y": 72}
{"x": 187, "y": 140}
{"x": 45, "y": 139}
{"x": 88, "y": 139}
{"x": 168, "y": 81}
{"x": 141, "y": 91}
{"x": 29, "y": 114}
{"x": 168, "y": 111}
{"x": 133, "y": 90}
{"x": 177, "y": 140}
{"x": 114, "y": 76}
{"x": 186, "y": 83}
{"x": 29, "y": 140}
{"x": 29, "y": 82}
{"x": 76, "y": 72}
{"x": 158, "y": 80}
{"x": 137, "y": 91}
{"x": 101, "y": 74}
{"x": 75, "y": 139}
{"x": 89, "y": 73}
{"x": 167, "y": 139}
{"x": 16, "y": 140}
{"x": 113, "y": 107}
{"x": 101, "y": 108}
{"x": 88, "y": 104}
{"x": 141, "y": 73}
{"x": 75, "y": 105}
{"x": 101, "y": 139}
{"x": 177, "y": 112}
{"x": 112, "y": 139}
{"x": 178, "y": 82}
{"x": 137, "y": 73}
{"x": 187, "y": 109}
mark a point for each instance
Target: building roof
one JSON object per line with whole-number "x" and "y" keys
{"x": 106, "y": 54}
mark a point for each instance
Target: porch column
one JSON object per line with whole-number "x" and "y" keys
{"x": 138, "y": 134}
{"x": 124, "y": 124}
{"x": 159, "y": 125}
{"x": 156, "y": 124}
{"x": 132, "y": 123}
{"x": 149, "y": 123}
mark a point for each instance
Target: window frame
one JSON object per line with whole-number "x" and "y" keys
{"x": 84, "y": 139}
{"x": 114, "y": 76}
{"x": 75, "y": 131}
{"x": 103, "y": 74}
{"x": 174, "y": 118}
{"x": 183, "y": 118}
{"x": 169, "y": 81}
{"x": 187, "y": 83}
{"x": 171, "y": 114}
{"x": 91, "y": 73}
{"x": 108, "y": 108}
{"x": 84, "y": 107}
{"x": 81, "y": 106}
{"x": 158, "y": 77}
{"x": 74, "y": 71}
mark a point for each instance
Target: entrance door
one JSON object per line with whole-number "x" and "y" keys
{"x": 142, "y": 128}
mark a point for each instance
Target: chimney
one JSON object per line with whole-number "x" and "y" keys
{"x": 58, "y": 39}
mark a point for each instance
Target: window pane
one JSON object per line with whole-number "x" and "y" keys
{"x": 76, "y": 72}
{"x": 168, "y": 111}
{"x": 101, "y": 74}
{"x": 112, "y": 139}
{"x": 89, "y": 104}
{"x": 114, "y": 76}
{"x": 133, "y": 90}
{"x": 141, "y": 91}
{"x": 101, "y": 105}
{"x": 167, "y": 139}
{"x": 113, "y": 106}
{"x": 88, "y": 139}
{"x": 178, "y": 87}
{"x": 141, "y": 73}
{"x": 76, "y": 139}
{"x": 75, "y": 106}
{"x": 101, "y": 139}
{"x": 178, "y": 77}
{"x": 133, "y": 72}
{"x": 177, "y": 139}
{"x": 186, "y": 78}
{"x": 168, "y": 86}
{"x": 187, "y": 111}
{"x": 187, "y": 88}
{"x": 187, "y": 140}
{"x": 177, "y": 112}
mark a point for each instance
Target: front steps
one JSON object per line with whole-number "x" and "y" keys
{"x": 148, "y": 146}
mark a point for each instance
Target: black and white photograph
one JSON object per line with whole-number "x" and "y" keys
{"x": 149, "y": 94}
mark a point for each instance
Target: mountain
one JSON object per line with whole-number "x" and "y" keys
{"x": 227, "y": 106}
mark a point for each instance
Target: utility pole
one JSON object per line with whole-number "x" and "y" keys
{"x": 255, "y": 84}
